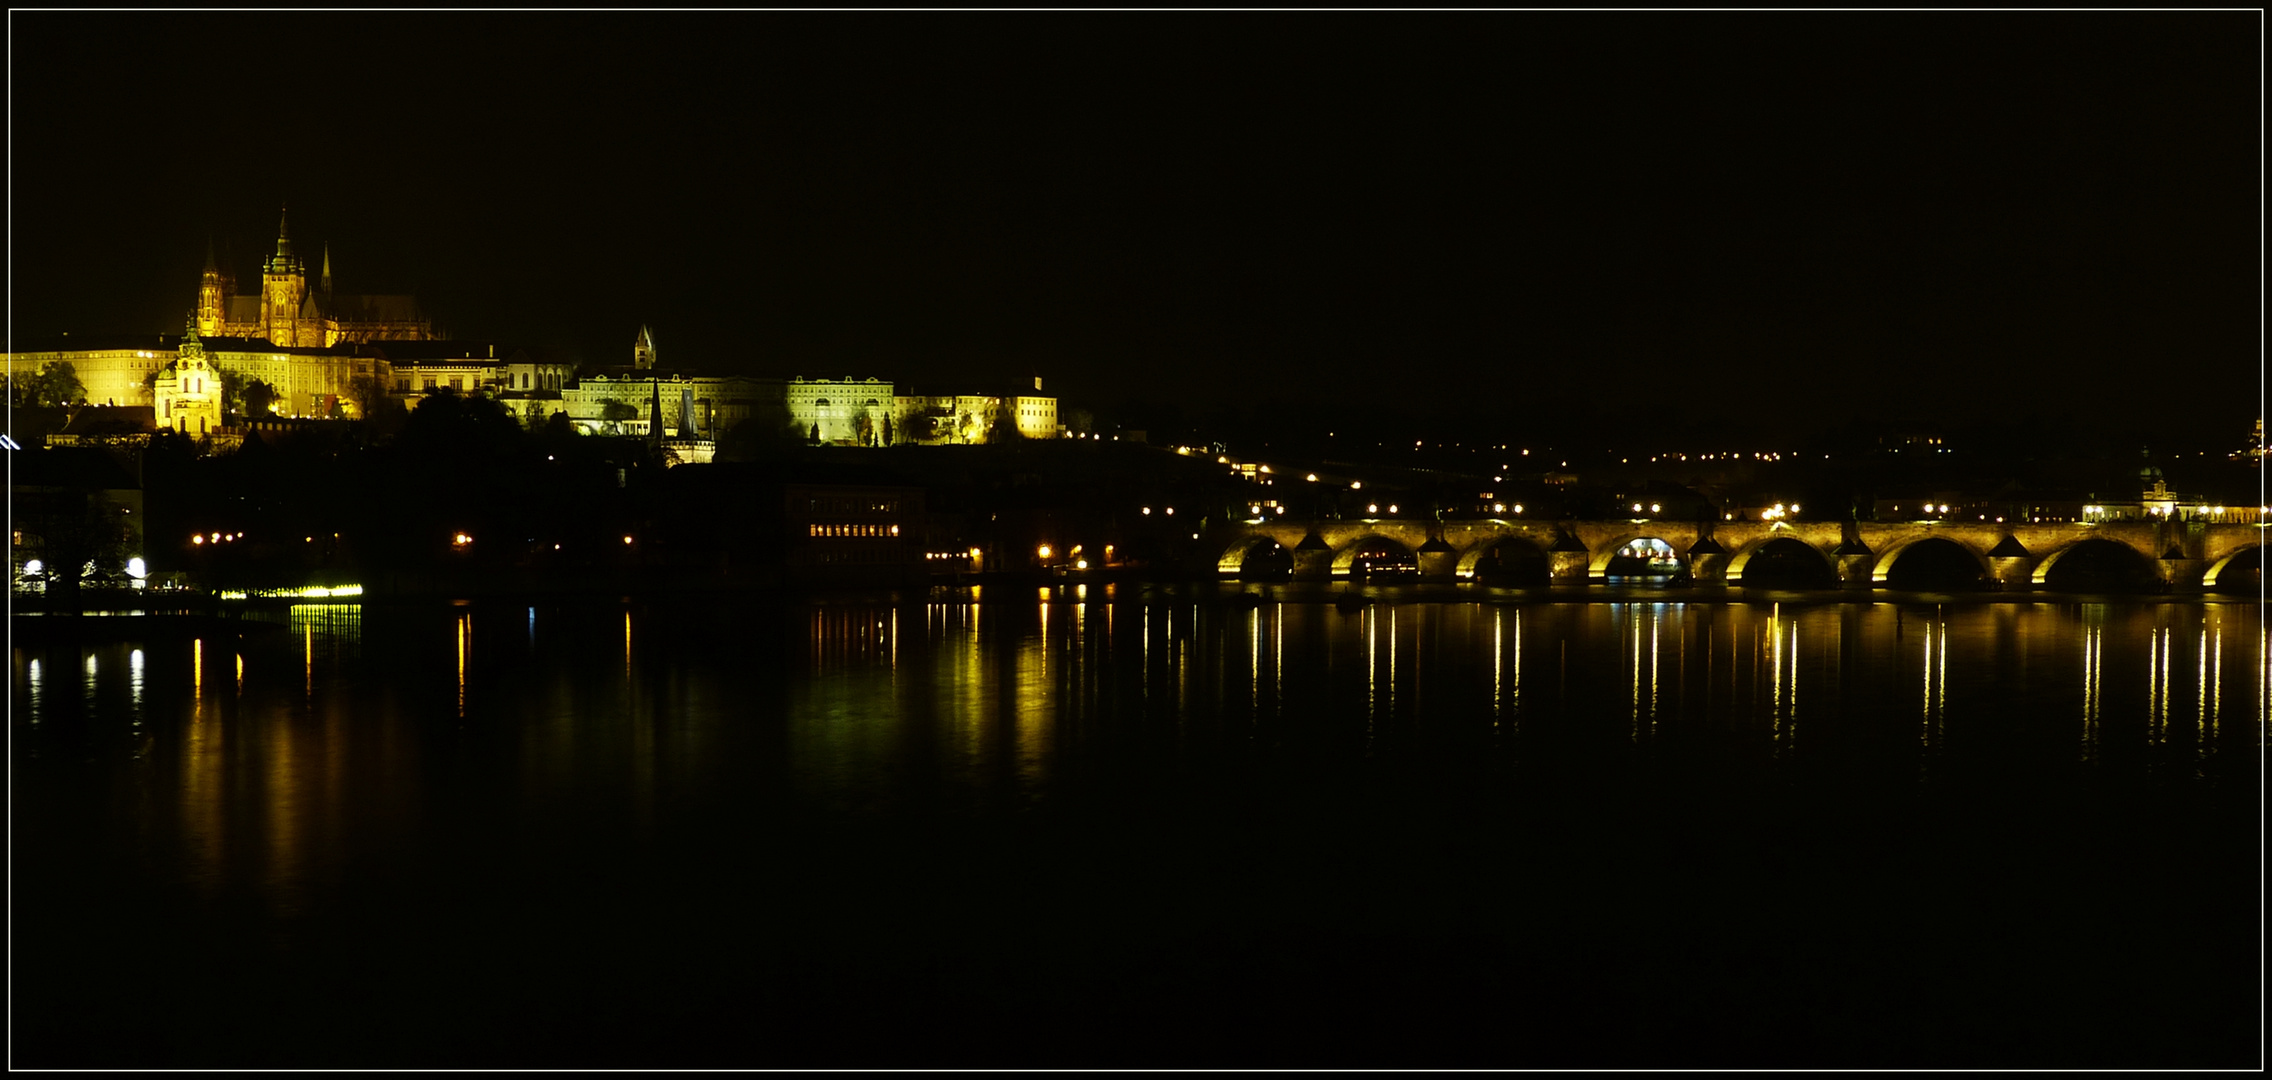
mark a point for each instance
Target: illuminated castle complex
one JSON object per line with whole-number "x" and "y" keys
{"x": 287, "y": 312}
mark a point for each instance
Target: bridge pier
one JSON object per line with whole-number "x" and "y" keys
{"x": 2182, "y": 575}
{"x": 1438, "y": 561}
{"x": 1313, "y": 559}
{"x": 2011, "y": 573}
{"x": 1568, "y": 567}
{"x": 1854, "y": 569}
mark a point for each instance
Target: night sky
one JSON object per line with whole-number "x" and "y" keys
{"x": 1864, "y": 216}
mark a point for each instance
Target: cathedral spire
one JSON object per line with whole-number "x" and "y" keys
{"x": 211, "y": 267}
{"x": 327, "y": 268}
{"x": 284, "y": 262}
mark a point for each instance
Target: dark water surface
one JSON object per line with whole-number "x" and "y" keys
{"x": 1147, "y": 831}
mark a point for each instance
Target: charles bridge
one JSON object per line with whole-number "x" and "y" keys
{"x": 2179, "y": 554}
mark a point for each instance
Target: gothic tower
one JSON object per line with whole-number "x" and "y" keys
{"x": 284, "y": 287}
{"x": 643, "y": 350}
{"x": 212, "y": 296}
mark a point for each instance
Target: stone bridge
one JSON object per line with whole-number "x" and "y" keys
{"x": 2180, "y": 554}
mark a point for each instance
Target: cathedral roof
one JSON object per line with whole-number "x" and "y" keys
{"x": 376, "y": 307}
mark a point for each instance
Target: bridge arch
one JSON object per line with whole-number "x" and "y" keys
{"x": 1527, "y": 553}
{"x": 1783, "y": 544}
{"x": 1345, "y": 557}
{"x": 2096, "y": 563}
{"x": 1881, "y": 574}
{"x": 1597, "y": 561}
{"x": 1234, "y": 558}
{"x": 1251, "y": 553}
{"x": 2238, "y": 561}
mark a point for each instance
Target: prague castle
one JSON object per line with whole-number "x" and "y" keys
{"x": 287, "y": 312}
{"x": 323, "y": 354}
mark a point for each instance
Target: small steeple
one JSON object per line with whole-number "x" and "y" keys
{"x": 327, "y": 270}
{"x": 643, "y": 349}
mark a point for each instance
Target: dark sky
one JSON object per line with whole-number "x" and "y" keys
{"x": 1929, "y": 215}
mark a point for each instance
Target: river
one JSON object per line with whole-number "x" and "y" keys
{"x": 1046, "y": 827}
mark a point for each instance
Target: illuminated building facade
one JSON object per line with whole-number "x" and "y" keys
{"x": 287, "y": 311}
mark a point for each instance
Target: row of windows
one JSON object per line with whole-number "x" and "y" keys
{"x": 854, "y": 530}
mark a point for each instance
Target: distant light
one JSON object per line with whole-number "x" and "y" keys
{"x": 1171, "y": 510}
{"x": 1355, "y": 484}
{"x": 1636, "y": 507}
{"x": 1313, "y": 478}
{"x": 627, "y": 540}
{"x": 1392, "y": 508}
{"x": 199, "y": 539}
{"x": 1044, "y": 551}
{"x": 136, "y": 568}
{"x": 1147, "y": 509}
{"x": 1081, "y": 564}
{"x": 1372, "y": 508}
{"x": 1519, "y": 506}
{"x": 1655, "y": 508}
{"x": 34, "y": 566}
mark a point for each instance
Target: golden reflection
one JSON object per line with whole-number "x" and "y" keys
{"x": 1278, "y": 657}
{"x": 203, "y": 831}
{"x": 463, "y": 627}
{"x": 1655, "y": 658}
{"x": 1254, "y": 661}
{"x": 2094, "y": 654}
{"x": 32, "y": 678}
{"x": 1392, "y": 658}
{"x": 1498, "y": 661}
{"x": 287, "y": 799}
{"x": 1372, "y": 668}
{"x": 134, "y": 682}
{"x": 626, "y": 641}
{"x": 240, "y": 674}
{"x": 1775, "y": 659}
{"x": 197, "y": 667}
{"x": 308, "y": 657}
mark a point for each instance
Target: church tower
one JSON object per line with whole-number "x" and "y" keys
{"x": 284, "y": 288}
{"x": 212, "y": 296}
{"x": 643, "y": 350}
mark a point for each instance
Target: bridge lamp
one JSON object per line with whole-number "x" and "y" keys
{"x": 1658, "y": 508}
{"x": 1636, "y": 508}
{"x": 1794, "y": 508}
{"x": 1392, "y": 508}
{"x": 1147, "y": 510}
{"x": 1519, "y": 506}
{"x": 1372, "y": 508}
{"x": 197, "y": 539}
{"x": 1171, "y": 511}
{"x": 1254, "y": 509}
{"x": 1280, "y": 509}
{"x": 1498, "y": 508}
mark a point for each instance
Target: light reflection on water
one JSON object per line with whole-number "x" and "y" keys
{"x": 338, "y": 781}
